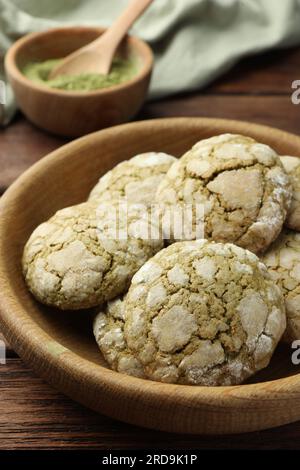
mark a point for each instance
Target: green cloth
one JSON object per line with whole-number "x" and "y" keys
{"x": 194, "y": 40}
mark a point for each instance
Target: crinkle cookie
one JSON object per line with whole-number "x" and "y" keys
{"x": 79, "y": 258}
{"x": 136, "y": 179}
{"x": 292, "y": 167}
{"x": 109, "y": 334}
{"x": 283, "y": 263}
{"x": 240, "y": 183}
{"x": 201, "y": 313}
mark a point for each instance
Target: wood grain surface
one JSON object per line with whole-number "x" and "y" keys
{"x": 35, "y": 416}
{"x": 32, "y": 415}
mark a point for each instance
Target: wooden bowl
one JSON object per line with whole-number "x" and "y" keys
{"x": 60, "y": 346}
{"x": 75, "y": 113}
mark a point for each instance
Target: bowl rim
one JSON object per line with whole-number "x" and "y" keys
{"x": 72, "y": 365}
{"x": 10, "y": 62}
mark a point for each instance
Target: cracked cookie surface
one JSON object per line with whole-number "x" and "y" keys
{"x": 197, "y": 313}
{"x": 241, "y": 184}
{"x": 292, "y": 167}
{"x": 283, "y": 263}
{"x": 76, "y": 260}
{"x": 136, "y": 179}
{"x": 109, "y": 334}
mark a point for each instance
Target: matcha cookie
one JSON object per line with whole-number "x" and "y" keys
{"x": 197, "y": 313}
{"x": 136, "y": 179}
{"x": 109, "y": 334}
{"x": 80, "y": 257}
{"x": 292, "y": 167}
{"x": 241, "y": 184}
{"x": 283, "y": 263}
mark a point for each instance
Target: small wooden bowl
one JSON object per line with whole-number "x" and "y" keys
{"x": 75, "y": 113}
{"x": 60, "y": 346}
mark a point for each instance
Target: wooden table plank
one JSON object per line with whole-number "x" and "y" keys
{"x": 270, "y": 73}
{"x": 35, "y": 416}
{"x": 22, "y": 144}
{"x": 277, "y": 111}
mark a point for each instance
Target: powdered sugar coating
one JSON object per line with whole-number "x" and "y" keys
{"x": 205, "y": 329}
{"x": 241, "y": 184}
{"x": 283, "y": 263}
{"x": 292, "y": 167}
{"x": 136, "y": 179}
{"x": 74, "y": 261}
{"x": 109, "y": 334}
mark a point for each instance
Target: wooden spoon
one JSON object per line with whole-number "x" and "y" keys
{"x": 97, "y": 56}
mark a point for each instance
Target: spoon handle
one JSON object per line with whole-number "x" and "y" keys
{"x": 118, "y": 30}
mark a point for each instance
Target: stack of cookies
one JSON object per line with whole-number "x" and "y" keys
{"x": 188, "y": 309}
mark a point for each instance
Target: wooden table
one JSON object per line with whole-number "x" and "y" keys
{"x": 32, "y": 414}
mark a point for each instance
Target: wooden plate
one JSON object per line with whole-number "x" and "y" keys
{"x": 60, "y": 347}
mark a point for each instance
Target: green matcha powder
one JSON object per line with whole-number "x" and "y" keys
{"x": 122, "y": 71}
